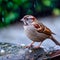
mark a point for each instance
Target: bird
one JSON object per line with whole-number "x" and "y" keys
{"x": 37, "y": 31}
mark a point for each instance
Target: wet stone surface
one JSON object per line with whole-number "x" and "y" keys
{"x": 10, "y": 51}
{"x": 35, "y": 54}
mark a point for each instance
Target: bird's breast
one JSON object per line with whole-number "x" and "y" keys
{"x": 31, "y": 32}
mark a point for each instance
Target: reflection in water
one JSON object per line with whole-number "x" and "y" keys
{"x": 15, "y": 33}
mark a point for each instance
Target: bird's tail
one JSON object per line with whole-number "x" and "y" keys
{"x": 56, "y": 42}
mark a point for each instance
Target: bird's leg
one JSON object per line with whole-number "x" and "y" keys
{"x": 38, "y": 45}
{"x": 30, "y": 45}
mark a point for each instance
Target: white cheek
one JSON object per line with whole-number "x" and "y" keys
{"x": 29, "y": 21}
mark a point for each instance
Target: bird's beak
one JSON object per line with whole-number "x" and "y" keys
{"x": 22, "y": 19}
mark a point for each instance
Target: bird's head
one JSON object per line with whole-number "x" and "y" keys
{"x": 28, "y": 19}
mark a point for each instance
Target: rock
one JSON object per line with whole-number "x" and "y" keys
{"x": 2, "y": 52}
{"x": 35, "y": 54}
{"x": 18, "y": 52}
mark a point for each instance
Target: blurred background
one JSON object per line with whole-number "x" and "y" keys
{"x": 11, "y": 11}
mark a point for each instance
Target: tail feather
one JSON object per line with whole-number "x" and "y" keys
{"x": 53, "y": 33}
{"x": 56, "y": 42}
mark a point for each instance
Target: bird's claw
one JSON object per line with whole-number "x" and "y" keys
{"x": 37, "y": 47}
{"x": 29, "y": 46}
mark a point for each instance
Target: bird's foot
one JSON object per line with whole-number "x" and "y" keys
{"x": 28, "y": 46}
{"x": 37, "y": 47}
{"x": 31, "y": 45}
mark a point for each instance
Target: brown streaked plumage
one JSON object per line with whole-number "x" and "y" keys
{"x": 42, "y": 29}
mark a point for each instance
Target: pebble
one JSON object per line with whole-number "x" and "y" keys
{"x": 2, "y": 52}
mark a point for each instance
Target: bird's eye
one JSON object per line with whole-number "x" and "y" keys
{"x": 26, "y": 18}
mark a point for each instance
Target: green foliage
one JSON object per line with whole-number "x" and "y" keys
{"x": 26, "y": 5}
{"x": 47, "y": 2}
{"x": 37, "y": 7}
{"x": 56, "y": 11}
{"x": 10, "y": 5}
{"x": 0, "y": 9}
{"x": 29, "y": 12}
{"x": 20, "y": 2}
{"x": 11, "y": 17}
{"x": 0, "y": 1}
{"x": 11, "y": 10}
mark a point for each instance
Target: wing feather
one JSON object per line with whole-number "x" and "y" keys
{"x": 41, "y": 28}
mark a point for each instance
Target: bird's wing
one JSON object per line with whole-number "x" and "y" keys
{"x": 41, "y": 28}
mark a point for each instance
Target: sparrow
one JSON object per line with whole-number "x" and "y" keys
{"x": 37, "y": 31}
